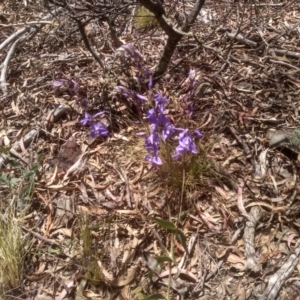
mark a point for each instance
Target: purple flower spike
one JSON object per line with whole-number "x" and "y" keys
{"x": 129, "y": 49}
{"x": 150, "y": 82}
{"x": 132, "y": 52}
{"x": 124, "y": 91}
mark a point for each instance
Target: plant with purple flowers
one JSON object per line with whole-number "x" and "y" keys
{"x": 143, "y": 76}
{"x": 97, "y": 128}
{"x": 161, "y": 127}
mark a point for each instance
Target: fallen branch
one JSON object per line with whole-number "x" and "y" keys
{"x": 53, "y": 117}
{"x": 250, "y": 43}
{"x": 283, "y": 63}
{"x": 3, "y": 83}
{"x": 239, "y": 37}
{"x": 277, "y": 280}
{"x": 27, "y": 28}
{"x": 285, "y": 52}
{"x": 249, "y": 234}
{"x": 15, "y": 37}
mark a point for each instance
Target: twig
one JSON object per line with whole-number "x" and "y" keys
{"x": 241, "y": 38}
{"x": 40, "y": 237}
{"x": 117, "y": 42}
{"x": 201, "y": 43}
{"x": 87, "y": 43}
{"x": 243, "y": 144}
{"x": 27, "y": 23}
{"x": 269, "y": 4}
{"x": 27, "y": 28}
{"x": 283, "y": 63}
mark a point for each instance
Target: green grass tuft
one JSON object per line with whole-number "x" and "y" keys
{"x": 195, "y": 167}
{"x": 13, "y": 247}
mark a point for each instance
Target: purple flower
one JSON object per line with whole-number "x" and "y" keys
{"x": 162, "y": 119}
{"x": 186, "y": 144}
{"x": 141, "y": 97}
{"x": 98, "y": 129}
{"x": 71, "y": 84}
{"x": 59, "y": 82}
{"x": 168, "y": 131}
{"x": 197, "y": 133}
{"x": 155, "y": 160}
{"x": 152, "y": 141}
{"x": 192, "y": 78}
{"x": 130, "y": 94}
{"x": 151, "y": 116}
{"x": 87, "y": 120}
{"x": 152, "y": 144}
{"x": 124, "y": 91}
{"x": 129, "y": 49}
{"x": 159, "y": 99}
{"x": 84, "y": 102}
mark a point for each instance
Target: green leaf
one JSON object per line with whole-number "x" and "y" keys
{"x": 182, "y": 240}
{"x": 155, "y": 297}
{"x": 3, "y": 178}
{"x": 165, "y": 224}
{"x": 137, "y": 290}
{"x": 162, "y": 259}
{"x": 13, "y": 181}
{"x": 183, "y": 214}
{"x": 28, "y": 173}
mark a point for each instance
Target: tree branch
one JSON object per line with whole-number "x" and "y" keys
{"x": 174, "y": 35}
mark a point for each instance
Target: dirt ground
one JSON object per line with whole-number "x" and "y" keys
{"x": 86, "y": 217}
